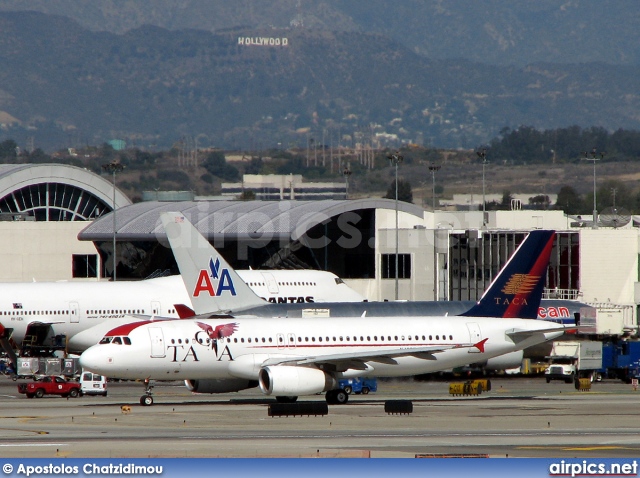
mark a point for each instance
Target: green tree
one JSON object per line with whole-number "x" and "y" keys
{"x": 404, "y": 191}
{"x": 254, "y": 166}
{"x": 505, "y": 203}
{"x": 216, "y": 164}
{"x": 569, "y": 201}
{"x": 541, "y": 201}
{"x": 8, "y": 151}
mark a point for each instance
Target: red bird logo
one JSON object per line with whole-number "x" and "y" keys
{"x": 221, "y": 331}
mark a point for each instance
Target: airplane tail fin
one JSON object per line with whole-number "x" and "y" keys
{"x": 184, "y": 311}
{"x": 210, "y": 281}
{"x": 517, "y": 289}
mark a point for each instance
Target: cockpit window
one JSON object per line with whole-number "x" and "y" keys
{"x": 117, "y": 340}
{"x": 126, "y": 340}
{"x": 106, "y": 340}
{"x": 338, "y": 280}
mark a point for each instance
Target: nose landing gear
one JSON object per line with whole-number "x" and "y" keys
{"x": 147, "y": 399}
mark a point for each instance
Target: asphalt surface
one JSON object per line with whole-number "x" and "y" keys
{"x": 519, "y": 417}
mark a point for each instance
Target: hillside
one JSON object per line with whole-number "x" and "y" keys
{"x": 495, "y": 32}
{"x": 67, "y": 86}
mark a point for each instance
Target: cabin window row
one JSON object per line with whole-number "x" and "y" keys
{"x": 38, "y": 312}
{"x": 262, "y": 284}
{"x": 369, "y": 338}
{"x": 128, "y": 311}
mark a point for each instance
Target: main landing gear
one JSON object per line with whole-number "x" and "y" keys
{"x": 147, "y": 399}
{"x": 337, "y": 397}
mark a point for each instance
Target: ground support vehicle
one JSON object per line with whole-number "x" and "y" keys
{"x": 573, "y": 359}
{"x": 621, "y": 359}
{"x": 50, "y": 385}
{"x": 358, "y": 385}
{"x": 93, "y": 384}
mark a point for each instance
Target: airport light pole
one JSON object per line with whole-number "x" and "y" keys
{"x": 396, "y": 158}
{"x": 433, "y": 168}
{"x": 483, "y": 155}
{"x": 594, "y": 159}
{"x": 346, "y": 172}
{"x": 113, "y": 167}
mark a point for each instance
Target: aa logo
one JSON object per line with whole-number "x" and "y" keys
{"x": 207, "y": 279}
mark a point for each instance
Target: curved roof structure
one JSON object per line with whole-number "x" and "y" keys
{"x": 56, "y": 192}
{"x": 233, "y": 219}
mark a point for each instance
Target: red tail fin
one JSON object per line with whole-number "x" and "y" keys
{"x": 184, "y": 312}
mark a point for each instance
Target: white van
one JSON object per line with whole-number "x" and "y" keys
{"x": 93, "y": 384}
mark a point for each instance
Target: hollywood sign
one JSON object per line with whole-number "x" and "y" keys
{"x": 263, "y": 41}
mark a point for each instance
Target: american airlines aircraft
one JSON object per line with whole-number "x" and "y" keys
{"x": 45, "y": 312}
{"x": 290, "y": 357}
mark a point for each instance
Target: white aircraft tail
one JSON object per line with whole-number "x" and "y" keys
{"x": 212, "y": 284}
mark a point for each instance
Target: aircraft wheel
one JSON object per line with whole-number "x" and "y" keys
{"x": 330, "y": 397}
{"x": 341, "y": 397}
{"x": 146, "y": 400}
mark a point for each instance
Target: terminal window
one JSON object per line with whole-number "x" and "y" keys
{"x": 388, "y": 265}
{"x": 85, "y": 265}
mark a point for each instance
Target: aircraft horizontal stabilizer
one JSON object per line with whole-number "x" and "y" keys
{"x": 513, "y": 333}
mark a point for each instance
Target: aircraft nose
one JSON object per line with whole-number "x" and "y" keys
{"x": 94, "y": 359}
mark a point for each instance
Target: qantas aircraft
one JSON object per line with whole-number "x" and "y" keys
{"x": 45, "y": 312}
{"x": 290, "y": 357}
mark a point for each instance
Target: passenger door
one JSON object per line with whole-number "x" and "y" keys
{"x": 157, "y": 342}
{"x": 475, "y": 336}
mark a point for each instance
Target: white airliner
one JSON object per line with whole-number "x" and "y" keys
{"x": 41, "y": 311}
{"x": 291, "y": 357}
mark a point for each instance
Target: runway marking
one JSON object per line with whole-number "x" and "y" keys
{"x": 594, "y": 448}
{"x": 7, "y": 445}
{"x": 37, "y": 432}
{"x": 577, "y": 448}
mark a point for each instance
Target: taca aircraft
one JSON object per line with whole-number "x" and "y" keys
{"x": 290, "y": 357}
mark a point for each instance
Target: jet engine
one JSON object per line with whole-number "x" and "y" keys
{"x": 219, "y": 386}
{"x": 506, "y": 361}
{"x": 285, "y": 380}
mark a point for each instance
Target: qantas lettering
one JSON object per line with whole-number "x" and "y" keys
{"x": 290, "y": 300}
{"x": 553, "y": 312}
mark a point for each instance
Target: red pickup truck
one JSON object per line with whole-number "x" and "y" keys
{"x": 52, "y": 385}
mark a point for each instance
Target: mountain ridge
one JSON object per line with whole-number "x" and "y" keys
{"x": 68, "y": 85}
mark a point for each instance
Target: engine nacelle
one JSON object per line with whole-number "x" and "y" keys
{"x": 285, "y": 380}
{"x": 506, "y": 361}
{"x": 219, "y": 386}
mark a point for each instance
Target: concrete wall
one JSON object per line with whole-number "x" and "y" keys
{"x": 40, "y": 251}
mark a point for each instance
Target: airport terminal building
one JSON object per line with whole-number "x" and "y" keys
{"x": 58, "y": 224}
